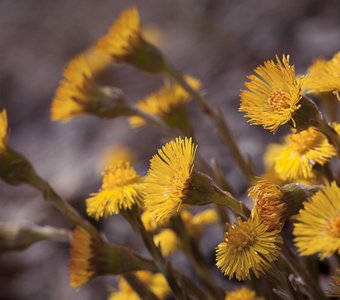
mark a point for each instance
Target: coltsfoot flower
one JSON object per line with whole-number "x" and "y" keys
{"x": 121, "y": 189}
{"x": 242, "y": 293}
{"x": 268, "y": 204}
{"x": 166, "y": 102}
{"x": 324, "y": 76}
{"x": 301, "y": 151}
{"x": 317, "y": 230}
{"x": 125, "y": 43}
{"x": 168, "y": 178}
{"x": 273, "y": 94}
{"x": 3, "y": 131}
{"x": 156, "y": 283}
{"x": 248, "y": 247}
{"x": 195, "y": 223}
{"x": 168, "y": 241}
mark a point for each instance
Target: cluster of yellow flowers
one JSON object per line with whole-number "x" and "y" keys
{"x": 299, "y": 187}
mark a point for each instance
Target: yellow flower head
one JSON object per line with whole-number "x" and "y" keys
{"x": 324, "y": 76}
{"x": 195, "y": 223}
{"x": 165, "y": 101}
{"x": 156, "y": 283}
{"x": 123, "y": 37}
{"x": 248, "y": 246}
{"x": 272, "y": 95}
{"x": 300, "y": 152}
{"x": 334, "y": 290}
{"x": 77, "y": 90}
{"x": 268, "y": 204}
{"x": 168, "y": 241}
{"x": 3, "y": 131}
{"x": 242, "y": 293}
{"x": 317, "y": 229}
{"x": 168, "y": 178}
{"x": 114, "y": 154}
{"x": 121, "y": 189}
{"x": 80, "y": 268}
{"x": 148, "y": 221}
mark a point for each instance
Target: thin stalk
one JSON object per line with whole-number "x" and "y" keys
{"x": 64, "y": 207}
{"x": 164, "y": 267}
{"x": 312, "y": 287}
{"x": 191, "y": 249}
{"x": 217, "y": 119}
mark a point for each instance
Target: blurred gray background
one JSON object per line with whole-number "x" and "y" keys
{"x": 220, "y": 42}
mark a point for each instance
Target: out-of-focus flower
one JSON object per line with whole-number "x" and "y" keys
{"x": 167, "y": 180}
{"x": 324, "y": 76}
{"x": 317, "y": 230}
{"x": 114, "y": 154}
{"x": 148, "y": 221}
{"x": 91, "y": 257}
{"x": 248, "y": 247}
{"x": 334, "y": 289}
{"x": 301, "y": 151}
{"x": 272, "y": 95}
{"x": 155, "y": 282}
{"x": 168, "y": 241}
{"x": 121, "y": 189}
{"x": 242, "y": 293}
{"x": 3, "y": 131}
{"x": 124, "y": 43}
{"x": 78, "y": 92}
{"x": 195, "y": 223}
{"x": 166, "y": 103}
{"x": 268, "y": 204}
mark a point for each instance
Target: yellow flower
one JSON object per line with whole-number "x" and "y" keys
{"x": 121, "y": 189}
{"x": 268, "y": 204}
{"x": 124, "y": 42}
{"x": 324, "y": 76}
{"x": 334, "y": 290}
{"x": 80, "y": 268}
{"x": 300, "y": 152}
{"x": 3, "y": 131}
{"x": 248, "y": 246}
{"x": 317, "y": 229}
{"x": 148, "y": 221}
{"x": 115, "y": 154}
{"x": 77, "y": 90}
{"x": 242, "y": 293}
{"x": 165, "y": 101}
{"x": 155, "y": 282}
{"x": 272, "y": 95}
{"x": 168, "y": 178}
{"x": 168, "y": 241}
{"x": 195, "y": 223}
{"x": 123, "y": 37}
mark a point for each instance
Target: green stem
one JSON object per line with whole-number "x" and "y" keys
{"x": 217, "y": 119}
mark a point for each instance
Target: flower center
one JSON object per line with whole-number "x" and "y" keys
{"x": 278, "y": 100}
{"x": 240, "y": 236}
{"x": 334, "y": 227}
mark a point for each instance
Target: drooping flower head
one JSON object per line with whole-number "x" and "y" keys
{"x": 268, "y": 203}
{"x": 124, "y": 43}
{"x": 3, "y": 130}
{"x": 272, "y": 95}
{"x": 242, "y": 293}
{"x": 248, "y": 247}
{"x": 168, "y": 178}
{"x": 121, "y": 189}
{"x": 300, "y": 152}
{"x": 156, "y": 283}
{"x": 78, "y": 92}
{"x": 165, "y": 102}
{"x": 324, "y": 76}
{"x": 317, "y": 230}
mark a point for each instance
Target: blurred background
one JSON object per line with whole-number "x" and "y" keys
{"x": 218, "y": 41}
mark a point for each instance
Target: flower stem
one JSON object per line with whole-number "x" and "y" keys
{"x": 139, "y": 287}
{"x": 218, "y": 120}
